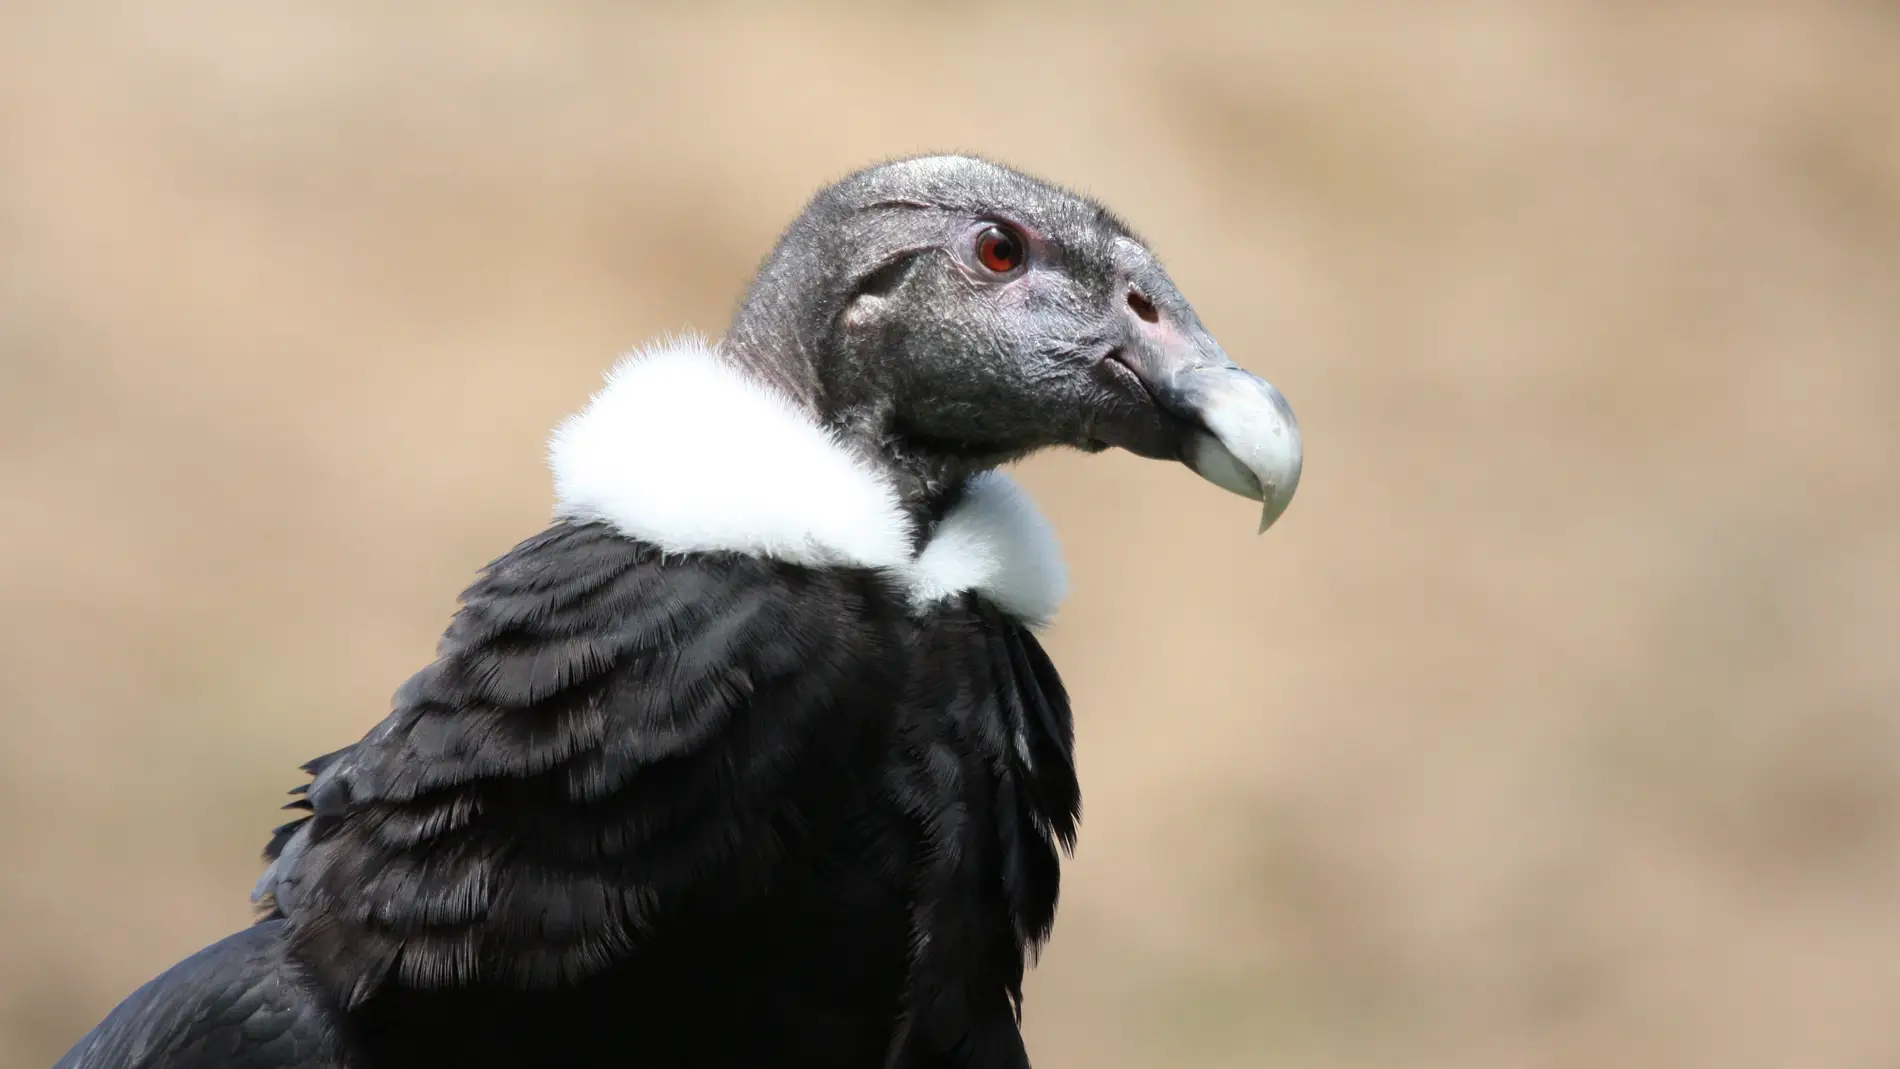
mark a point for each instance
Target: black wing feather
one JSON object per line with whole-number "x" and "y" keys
{"x": 233, "y": 1005}
{"x": 989, "y": 781}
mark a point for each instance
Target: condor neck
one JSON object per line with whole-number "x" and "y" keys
{"x": 927, "y": 476}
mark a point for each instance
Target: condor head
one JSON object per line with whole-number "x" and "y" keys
{"x": 947, "y": 314}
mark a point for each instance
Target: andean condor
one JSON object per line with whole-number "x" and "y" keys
{"x": 751, "y": 759}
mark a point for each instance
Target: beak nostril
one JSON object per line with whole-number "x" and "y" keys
{"x": 1143, "y": 307}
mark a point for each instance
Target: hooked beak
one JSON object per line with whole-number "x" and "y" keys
{"x": 1240, "y": 434}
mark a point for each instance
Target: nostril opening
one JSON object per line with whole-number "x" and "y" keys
{"x": 1143, "y": 307}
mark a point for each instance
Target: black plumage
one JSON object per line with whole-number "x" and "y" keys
{"x": 238, "y": 1002}
{"x": 620, "y": 757}
{"x": 678, "y": 794}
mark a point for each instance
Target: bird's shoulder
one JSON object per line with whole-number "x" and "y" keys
{"x": 606, "y": 727}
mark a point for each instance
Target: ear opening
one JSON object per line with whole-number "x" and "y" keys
{"x": 884, "y": 281}
{"x": 878, "y": 285}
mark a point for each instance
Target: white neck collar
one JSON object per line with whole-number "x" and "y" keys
{"x": 686, "y": 452}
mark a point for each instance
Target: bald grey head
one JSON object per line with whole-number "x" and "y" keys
{"x": 947, "y": 314}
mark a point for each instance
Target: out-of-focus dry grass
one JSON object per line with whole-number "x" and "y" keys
{"x": 1557, "y": 725}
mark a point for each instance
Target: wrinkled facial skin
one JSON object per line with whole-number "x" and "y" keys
{"x": 913, "y": 344}
{"x": 1003, "y": 366}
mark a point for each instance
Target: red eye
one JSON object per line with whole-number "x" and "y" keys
{"x": 999, "y": 250}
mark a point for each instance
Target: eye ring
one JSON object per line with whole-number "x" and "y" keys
{"x": 1000, "y": 250}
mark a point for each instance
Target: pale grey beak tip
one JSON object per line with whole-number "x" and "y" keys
{"x": 1252, "y": 444}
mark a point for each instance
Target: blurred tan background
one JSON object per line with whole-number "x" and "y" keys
{"x": 1557, "y": 725}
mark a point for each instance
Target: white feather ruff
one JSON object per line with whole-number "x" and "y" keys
{"x": 684, "y": 451}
